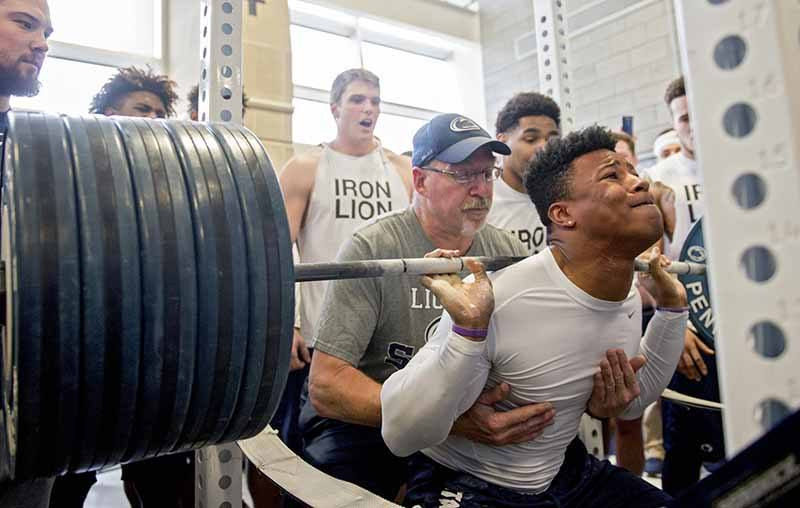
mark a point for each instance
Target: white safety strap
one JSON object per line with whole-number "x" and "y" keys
{"x": 303, "y": 481}
{"x": 687, "y": 400}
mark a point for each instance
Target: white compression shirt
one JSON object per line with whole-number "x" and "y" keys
{"x": 546, "y": 339}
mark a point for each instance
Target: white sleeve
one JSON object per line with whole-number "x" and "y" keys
{"x": 662, "y": 345}
{"x": 420, "y": 402}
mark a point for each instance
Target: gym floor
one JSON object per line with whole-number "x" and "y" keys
{"x": 108, "y": 491}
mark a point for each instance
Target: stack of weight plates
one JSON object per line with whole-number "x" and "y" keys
{"x": 149, "y": 290}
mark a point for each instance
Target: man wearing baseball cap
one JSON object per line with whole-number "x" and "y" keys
{"x": 370, "y": 328}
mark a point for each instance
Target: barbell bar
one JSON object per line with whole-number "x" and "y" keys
{"x": 308, "y": 272}
{"x": 148, "y": 289}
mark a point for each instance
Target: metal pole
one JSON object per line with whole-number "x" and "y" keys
{"x": 553, "y": 55}
{"x": 740, "y": 60}
{"x": 218, "y": 469}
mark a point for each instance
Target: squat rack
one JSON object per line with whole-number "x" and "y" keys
{"x": 739, "y": 58}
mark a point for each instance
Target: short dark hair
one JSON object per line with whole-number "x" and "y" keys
{"x": 628, "y": 139}
{"x": 526, "y": 104}
{"x": 349, "y": 76}
{"x": 675, "y": 89}
{"x": 194, "y": 100}
{"x": 128, "y": 80}
{"x": 549, "y": 175}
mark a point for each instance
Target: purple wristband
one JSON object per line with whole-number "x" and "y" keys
{"x": 475, "y": 333}
{"x": 677, "y": 310}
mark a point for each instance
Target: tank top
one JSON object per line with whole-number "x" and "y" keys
{"x": 348, "y": 191}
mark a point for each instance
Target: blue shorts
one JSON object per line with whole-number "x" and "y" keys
{"x": 582, "y": 482}
{"x": 692, "y": 436}
{"x": 695, "y": 428}
{"x": 353, "y": 453}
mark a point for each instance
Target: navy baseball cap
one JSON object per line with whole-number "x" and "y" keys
{"x": 452, "y": 138}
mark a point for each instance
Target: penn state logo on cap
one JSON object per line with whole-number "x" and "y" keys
{"x": 696, "y": 253}
{"x": 452, "y": 138}
{"x": 462, "y": 124}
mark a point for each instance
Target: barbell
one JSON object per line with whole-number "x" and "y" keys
{"x": 149, "y": 289}
{"x": 305, "y": 272}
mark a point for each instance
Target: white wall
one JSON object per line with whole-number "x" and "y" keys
{"x": 436, "y": 17}
{"x": 458, "y": 26}
{"x": 506, "y": 72}
{"x": 182, "y": 46}
{"x": 622, "y": 55}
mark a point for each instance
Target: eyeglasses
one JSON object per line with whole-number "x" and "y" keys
{"x": 468, "y": 177}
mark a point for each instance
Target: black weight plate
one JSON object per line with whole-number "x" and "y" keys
{"x": 123, "y": 344}
{"x": 279, "y": 323}
{"x": 161, "y": 284}
{"x": 204, "y": 210}
{"x": 697, "y": 289}
{"x": 181, "y": 334}
{"x": 257, "y": 276}
{"x": 112, "y": 220}
{"x": 95, "y": 309}
{"x": 36, "y": 300}
{"x": 66, "y": 346}
{"x": 43, "y": 172}
{"x": 146, "y": 386}
{"x": 158, "y": 283}
{"x": 223, "y": 237}
{"x": 272, "y": 353}
{"x": 235, "y": 330}
{"x": 281, "y": 284}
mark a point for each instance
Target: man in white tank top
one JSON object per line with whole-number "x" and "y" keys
{"x": 525, "y": 124}
{"x": 337, "y": 186}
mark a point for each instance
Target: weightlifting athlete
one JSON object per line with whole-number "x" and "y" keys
{"x": 542, "y": 326}
{"x": 691, "y": 436}
{"x": 525, "y": 124}
{"x": 136, "y": 92}
{"x": 370, "y": 328}
{"x": 25, "y": 27}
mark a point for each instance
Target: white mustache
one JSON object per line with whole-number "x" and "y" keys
{"x": 479, "y": 204}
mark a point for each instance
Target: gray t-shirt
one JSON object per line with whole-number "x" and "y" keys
{"x": 377, "y": 325}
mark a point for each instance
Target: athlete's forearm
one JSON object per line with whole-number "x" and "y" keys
{"x": 421, "y": 402}
{"x": 662, "y": 345}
